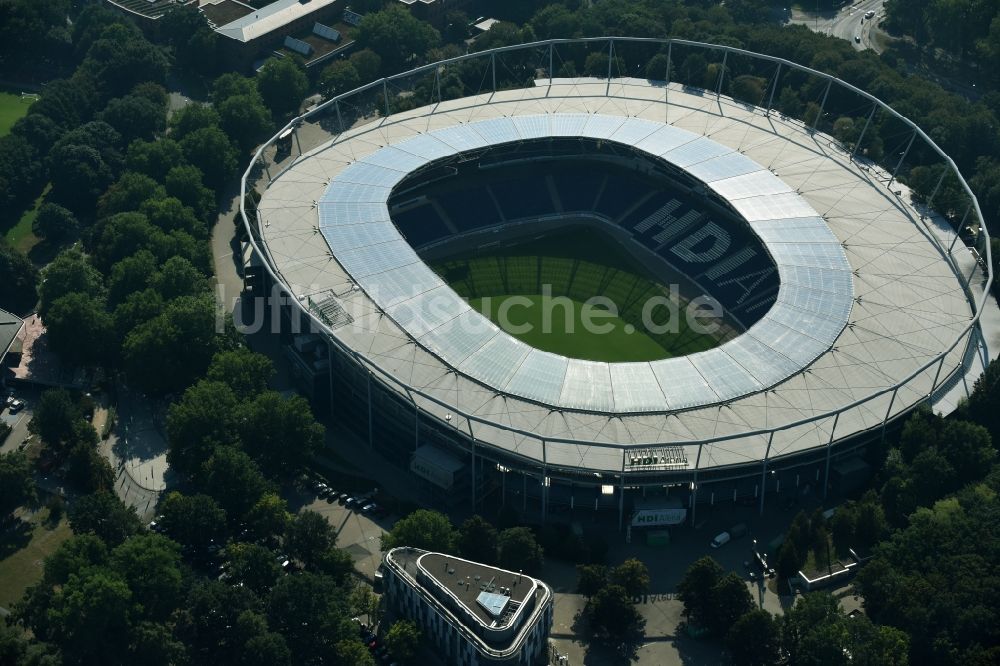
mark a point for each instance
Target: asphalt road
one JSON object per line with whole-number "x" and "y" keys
{"x": 847, "y": 23}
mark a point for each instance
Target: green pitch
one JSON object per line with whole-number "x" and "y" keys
{"x": 12, "y": 108}
{"x": 538, "y": 291}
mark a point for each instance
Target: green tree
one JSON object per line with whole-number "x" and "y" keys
{"x": 18, "y": 277}
{"x": 193, "y": 520}
{"x": 351, "y": 651}
{"x": 730, "y": 601}
{"x": 202, "y": 419}
{"x": 339, "y": 77}
{"x": 268, "y": 518}
{"x": 84, "y": 173}
{"x": 245, "y": 372}
{"x": 138, "y": 307}
{"x": 170, "y": 351}
{"x": 558, "y": 21}
{"x": 233, "y": 480}
{"x": 789, "y": 560}
{"x": 170, "y": 214}
{"x": 477, "y": 540}
{"x": 365, "y": 602}
{"x": 754, "y": 639}
{"x": 185, "y": 184}
{"x": 279, "y": 432}
{"x": 128, "y": 194}
{"x": 696, "y": 590}
{"x": 311, "y": 612}
{"x": 104, "y": 515}
{"x": 749, "y": 89}
{"x": 252, "y": 565}
{"x": 212, "y": 152}
{"x": 55, "y": 223}
{"x": 233, "y": 84}
{"x": 613, "y": 618}
{"x": 518, "y": 550}
{"x": 810, "y": 612}
{"x": 282, "y": 84}
{"x": 135, "y": 117}
{"x": 308, "y": 537}
{"x": 80, "y": 330}
{"x": 367, "y": 63}
{"x": 590, "y": 578}
{"x": 88, "y": 471}
{"x": 120, "y": 59}
{"x": 68, "y": 273}
{"x": 91, "y": 607}
{"x": 632, "y": 575}
{"x": 842, "y": 527}
{"x": 424, "y": 529}
{"x": 150, "y": 565}
{"x": 403, "y": 639}
{"x": 337, "y": 565}
{"x": 694, "y": 70}
{"x": 130, "y": 275}
{"x": 153, "y": 644}
{"x": 214, "y": 610}
{"x": 192, "y": 118}
{"x": 870, "y": 523}
{"x": 154, "y": 158}
{"x": 54, "y": 417}
{"x": 245, "y": 119}
{"x": 396, "y": 36}
{"x": 17, "y": 483}
{"x": 178, "y": 277}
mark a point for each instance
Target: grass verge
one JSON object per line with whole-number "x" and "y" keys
{"x": 24, "y": 554}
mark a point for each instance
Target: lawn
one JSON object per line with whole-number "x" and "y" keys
{"x": 567, "y": 334}
{"x": 12, "y": 107}
{"x": 24, "y": 554}
{"x": 20, "y": 236}
{"x": 538, "y": 291}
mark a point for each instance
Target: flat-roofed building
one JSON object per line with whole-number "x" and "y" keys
{"x": 10, "y": 326}
{"x": 471, "y": 613}
{"x": 258, "y": 31}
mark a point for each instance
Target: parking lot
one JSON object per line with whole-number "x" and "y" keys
{"x": 358, "y": 533}
{"x": 19, "y": 419}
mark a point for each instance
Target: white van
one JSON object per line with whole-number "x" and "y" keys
{"x": 721, "y": 540}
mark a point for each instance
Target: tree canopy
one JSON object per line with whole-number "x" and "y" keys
{"x": 396, "y": 36}
{"x": 425, "y": 529}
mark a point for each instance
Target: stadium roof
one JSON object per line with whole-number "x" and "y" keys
{"x": 812, "y": 307}
{"x": 10, "y": 326}
{"x": 849, "y": 250}
{"x": 269, "y": 18}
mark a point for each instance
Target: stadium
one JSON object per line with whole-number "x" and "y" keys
{"x": 390, "y": 221}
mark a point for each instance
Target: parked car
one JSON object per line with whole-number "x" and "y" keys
{"x": 721, "y": 540}
{"x": 15, "y": 406}
{"x": 368, "y": 508}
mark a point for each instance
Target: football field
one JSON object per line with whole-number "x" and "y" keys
{"x": 575, "y": 294}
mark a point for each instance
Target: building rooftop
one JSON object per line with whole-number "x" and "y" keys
{"x": 493, "y": 608}
{"x": 10, "y": 326}
{"x": 272, "y": 17}
{"x": 904, "y": 302}
{"x": 473, "y": 584}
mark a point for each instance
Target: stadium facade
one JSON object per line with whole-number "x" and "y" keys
{"x": 855, "y": 305}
